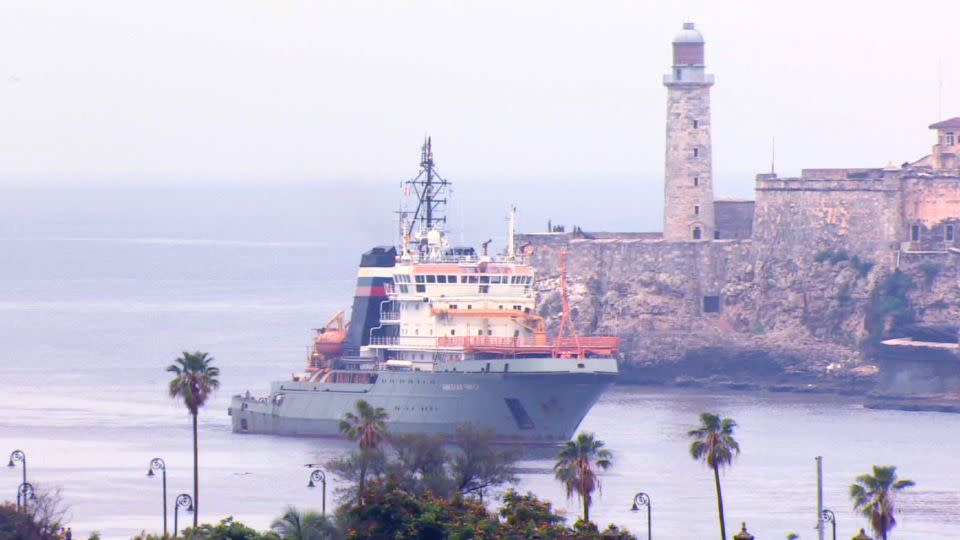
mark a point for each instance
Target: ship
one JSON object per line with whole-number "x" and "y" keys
{"x": 441, "y": 336}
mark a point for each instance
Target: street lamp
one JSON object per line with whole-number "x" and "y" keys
{"x": 183, "y": 501}
{"x": 18, "y": 456}
{"x": 25, "y": 492}
{"x": 317, "y": 475}
{"x": 157, "y": 464}
{"x": 642, "y": 499}
{"x": 831, "y": 518}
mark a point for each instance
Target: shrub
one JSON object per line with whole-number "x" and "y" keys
{"x": 889, "y": 301}
{"x": 930, "y": 272}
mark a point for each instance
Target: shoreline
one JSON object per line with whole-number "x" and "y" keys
{"x": 846, "y": 386}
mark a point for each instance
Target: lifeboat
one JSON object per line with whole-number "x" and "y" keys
{"x": 329, "y": 343}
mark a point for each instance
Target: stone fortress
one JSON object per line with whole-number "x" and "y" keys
{"x": 797, "y": 289}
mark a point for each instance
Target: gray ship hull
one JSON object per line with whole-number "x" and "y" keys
{"x": 521, "y": 399}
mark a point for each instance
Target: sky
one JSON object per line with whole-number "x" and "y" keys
{"x": 273, "y": 91}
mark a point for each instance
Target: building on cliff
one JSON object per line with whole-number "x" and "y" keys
{"x": 794, "y": 272}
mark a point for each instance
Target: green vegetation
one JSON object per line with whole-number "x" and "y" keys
{"x": 713, "y": 444}
{"x": 578, "y": 468}
{"x": 832, "y": 256}
{"x": 195, "y": 378}
{"x": 368, "y": 427}
{"x": 889, "y": 304}
{"x": 874, "y": 496}
{"x": 843, "y": 294}
{"x": 930, "y": 272}
{"x": 863, "y": 267}
{"x": 297, "y": 525}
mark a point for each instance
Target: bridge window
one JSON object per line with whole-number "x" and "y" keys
{"x": 418, "y": 279}
{"x": 451, "y": 279}
{"x": 441, "y": 279}
{"x": 431, "y": 279}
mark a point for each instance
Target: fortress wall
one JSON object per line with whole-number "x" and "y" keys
{"x": 795, "y": 218}
{"x": 734, "y": 218}
{"x": 651, "y": 293}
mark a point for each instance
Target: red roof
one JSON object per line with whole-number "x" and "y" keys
{"x": 951, "y": 123}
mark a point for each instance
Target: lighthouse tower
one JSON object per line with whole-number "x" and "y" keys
{"x": 688, "y": 181}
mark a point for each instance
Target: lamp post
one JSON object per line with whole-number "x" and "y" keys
{"x": 183, "y": 501}
{"x": 25, "y": 492}
{"x": 831, "y": 518}
{"x": 317, "y": 475}
{"x": 18, "y": 456}
{"x": 157, "y": 464}
{"x": 642, "y": 499}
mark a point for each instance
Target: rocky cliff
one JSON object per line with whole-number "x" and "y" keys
{"x": 734, "y": 314}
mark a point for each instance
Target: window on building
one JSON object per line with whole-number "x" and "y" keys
{"x": 421, "y": 288}
{"x": 696, "y": 181}
{"x": 441, "y": 279}
{"x": 948, "y": 234}
{"x": 716, "y": 235}
{"x": 696, "y": 209}
{"x": 696, "y": 124}
{"x": 697, "y": 233}
{"x": 949, "y": 138}
{"x": 696, "y": 152}
{"x": 679, "y": 72}
{"x": 453, "y": 332}
{"x": 711, "y": 304}
{"x": 431, "y": 279}
{"x": 915, "y": 233}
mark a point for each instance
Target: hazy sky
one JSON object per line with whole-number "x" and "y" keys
{"x": 272, "y": 90}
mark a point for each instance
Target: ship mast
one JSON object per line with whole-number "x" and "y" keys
{"x": 431, "y": 190}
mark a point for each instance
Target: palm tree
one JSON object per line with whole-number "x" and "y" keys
{"x": 578, "y": 466}
{"x": 874, "y": 497}
{"x": 368, "y": 427}
{"x": 297, "y": 525}
{"x": 195, "y": 379}
{"x": 713, "y": 443}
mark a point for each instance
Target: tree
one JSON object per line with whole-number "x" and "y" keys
{"x": 874, "y": 496}
{"x": 368, "y": 427}
{"x": 578, "y": 466}
{"x": 479, "y": 465}
{"x": 713, "y": 443}
{"x": 421, "y": 464}
{"x": 227, "y": 529}
{"x": 195, "y": 378}
{"x": 297, "y": 525}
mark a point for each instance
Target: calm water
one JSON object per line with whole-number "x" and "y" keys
{"x": 99, "y": 291}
